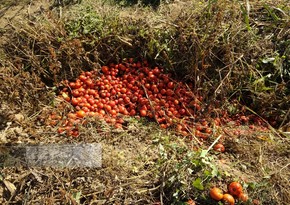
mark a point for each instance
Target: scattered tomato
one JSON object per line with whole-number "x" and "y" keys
{"x": 256, "y": 201}
{"x": 228, "y": 199}
{"x": 190, "y": 202}
{"x": 216, "y": 193}
{"x": 235, "y": 188}
{"x": 219, "y": 147}
{"x": 243, "y": 197}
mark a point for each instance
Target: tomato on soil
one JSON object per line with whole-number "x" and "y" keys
{"x": 235, "y": 188}
{"x": 219, "y": 147}
{"x": 216, "y": 193}
{"x": 243, "y": 197}
{"x": 228, "y": 199}
{"x": 133, "y": 88}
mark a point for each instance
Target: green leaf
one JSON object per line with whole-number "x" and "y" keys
{"x": 195, "y": 162}
{"x": 198, "y": 184}
{"x": 214, "y": 171}
{"x": 252, "y": 185}
{"x": 207, "y": 173}
{"x": 203, "y": 153}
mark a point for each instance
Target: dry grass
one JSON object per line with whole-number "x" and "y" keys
{"x": 209, "y": 43}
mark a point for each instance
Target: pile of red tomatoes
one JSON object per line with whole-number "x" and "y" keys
{"x": 130, "y": 89}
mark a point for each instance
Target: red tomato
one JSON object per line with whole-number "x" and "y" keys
{"x": 219, "y": 147}
{"x": 143, "y": 113}
{"x": 118, "y": 125}
{"x": 76, "y": 93}
{"x": 170, "y": 85}
{"x": 89, "y": 82}
{"x": 105, "y": 69}
{"x": 74, "y": 101}
{"x": 208, "y": 130}
{"x": 147, "y": 85}
{"x": 182, "y": 111}
{"x": 122, "y": 109}
{"x": 82, "y": 77}
{"x": 235, "y": 188}
{"x": 102, "y": 112}
{"x": 163, "y": 91}
{"x": 108, "y": 108}
{"x": 112, "y": 103}
{"x": 163, "y": 126}
{"x": 156, "y": 71}
{"x": 72, "y": 85}
{"x": 169, "y": 92}
{"x": 75, "y": 133}
{"x": 78, "y": 84}
{"x": 113, "y": 112}
{"x": 123, "y": 90}
{"x": 100, "y": 105}
{"x": 132, "y": 112}
{"x": 91, "y": 101}
{"x": 176, "y": 102}
{"x": 127, "y": 100}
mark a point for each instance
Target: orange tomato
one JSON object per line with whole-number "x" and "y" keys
{"x": 80, "y": 113}
{"x": 190, "y": 202}
{"x": 228, "y": 199}
{"x": 216, "y": 193}
{"x": 256, "y": 201}
{"x": 143, "y": 113}
{"x": 243, "y": 197}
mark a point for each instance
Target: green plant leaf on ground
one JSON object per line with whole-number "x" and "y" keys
{"x": 198, "y": 184}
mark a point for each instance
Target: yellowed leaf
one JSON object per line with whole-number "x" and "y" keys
{"x": 10, "y": 186}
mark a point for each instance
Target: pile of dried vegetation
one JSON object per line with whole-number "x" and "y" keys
{"x": 230, "y": 50}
